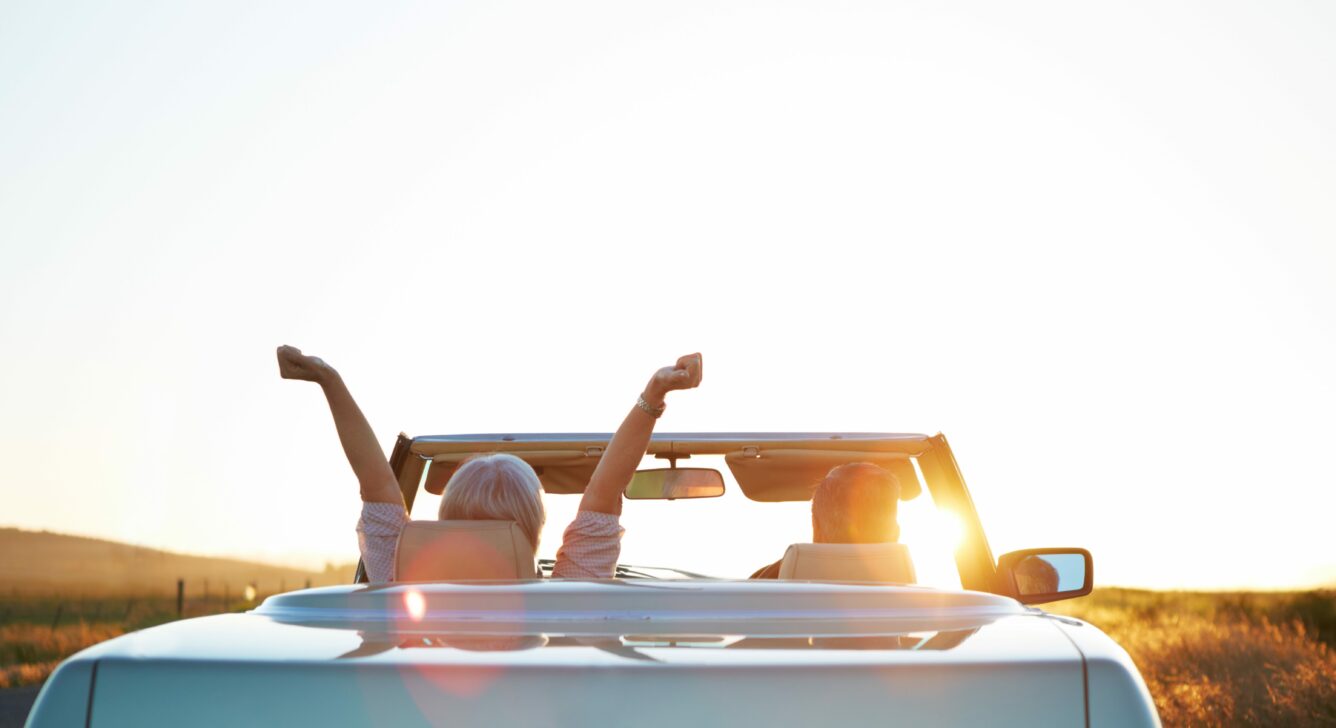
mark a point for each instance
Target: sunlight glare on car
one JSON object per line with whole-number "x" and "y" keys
{"x": 416, "y": 604}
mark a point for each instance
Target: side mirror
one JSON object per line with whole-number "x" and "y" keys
{"x": 1036, "y": 576}
{"x": 674, "y": 483}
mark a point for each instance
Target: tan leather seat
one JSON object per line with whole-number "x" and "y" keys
{"x": 885, "y": 562}
{"x": 453, "y": 550}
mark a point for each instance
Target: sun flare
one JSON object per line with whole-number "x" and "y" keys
{"x": 416, "y": 604}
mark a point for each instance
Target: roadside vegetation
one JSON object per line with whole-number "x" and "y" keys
{"x": 69, "y": 592}
{"x": 1247, "y": 658}
{"x": 37, "y": 632}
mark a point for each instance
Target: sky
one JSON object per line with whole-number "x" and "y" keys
{"x": 1093, "y": 245}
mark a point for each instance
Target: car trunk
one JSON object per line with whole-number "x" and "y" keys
{"x": 596, "y": 653}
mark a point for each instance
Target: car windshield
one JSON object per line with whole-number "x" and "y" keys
{"x": 732, "y": 536}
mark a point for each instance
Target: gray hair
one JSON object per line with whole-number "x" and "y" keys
{"x": 496, "y": 487}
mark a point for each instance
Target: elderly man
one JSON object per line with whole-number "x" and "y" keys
{"x": 854, "y": 503}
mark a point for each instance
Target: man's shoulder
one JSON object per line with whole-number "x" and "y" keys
{"x": 768, "y": 572}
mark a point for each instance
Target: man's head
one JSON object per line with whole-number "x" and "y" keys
{"x": 1035, "y": 575}
{"x": 856, "y": 503}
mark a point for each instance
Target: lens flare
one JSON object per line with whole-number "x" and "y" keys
{"x": 948, "y": 531}
{"x": 416, "y": 604}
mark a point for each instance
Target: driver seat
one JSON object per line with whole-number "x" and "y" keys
{"x": 456, "y": 550}
{"x": 883, "y": 562}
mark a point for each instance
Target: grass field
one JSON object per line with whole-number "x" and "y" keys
{"x": 1250, "y": 658}
{"x": 57, "y": 563}
{"x": 120, "y": 588}
{"x": 37, "y": 632}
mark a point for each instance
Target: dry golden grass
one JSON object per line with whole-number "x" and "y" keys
{"x": 1221, "y": 659}
{"x": 28, "y": 652}
{"x": 37, "y": 632}
{"x": 58, "y": 564}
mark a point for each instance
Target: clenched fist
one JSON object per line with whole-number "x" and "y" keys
{"x": 686, "y": 374}
{"x": 293, "y": 364}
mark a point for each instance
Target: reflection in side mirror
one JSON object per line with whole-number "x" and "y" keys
{"x": 673, "y": 483}
{"x": 1036, "y": 576}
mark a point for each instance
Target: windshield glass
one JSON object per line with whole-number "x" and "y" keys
{"x": 732, "y": 536}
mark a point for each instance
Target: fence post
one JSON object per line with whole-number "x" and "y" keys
{"x": 59, "y": 608}
{"x": 180, "y": 597}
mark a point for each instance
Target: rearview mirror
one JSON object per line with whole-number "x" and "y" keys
{"x": 674, "y": 483}
{"x": 1036, "y": 576}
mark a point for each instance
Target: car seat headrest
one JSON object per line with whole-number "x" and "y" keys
{"x": 452, "y": 550}
{"x": 884, "y": 562}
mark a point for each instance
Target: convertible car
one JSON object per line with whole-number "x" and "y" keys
{"x": 932, "y": 630}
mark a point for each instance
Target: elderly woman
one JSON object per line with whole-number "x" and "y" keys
{"x": 499, "y": 486}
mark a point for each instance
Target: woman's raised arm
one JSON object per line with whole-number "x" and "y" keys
{"x": 628, "y": 445}
{"x": 359, "y": 442}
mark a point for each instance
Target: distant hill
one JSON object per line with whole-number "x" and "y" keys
{"x": 41, "y": 562}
